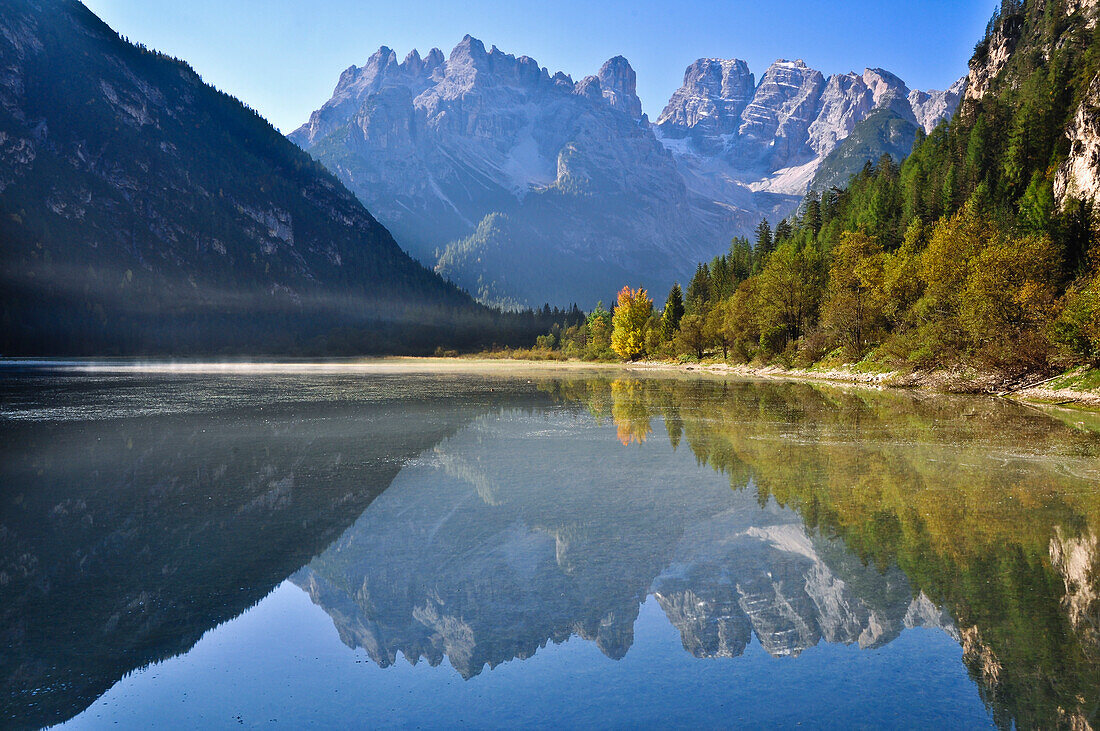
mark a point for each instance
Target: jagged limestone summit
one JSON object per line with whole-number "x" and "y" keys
{"x": 524, "y": 186}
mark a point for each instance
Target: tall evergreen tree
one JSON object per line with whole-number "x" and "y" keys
{"x": 763, "y": 237}
{"x": 740, "y": 259}
{"x": 673, "y": 312}
{"x": 698, "y": 292}
{"x": 783, "y": 231}
{"x": 811, "y": 219}
{"x": 721, "y": 282}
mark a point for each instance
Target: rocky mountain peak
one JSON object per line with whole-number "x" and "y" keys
{"x": 889, "y": 92}
{"x": 781, "y": 63}
{"x": 590, "y": 88}
{"x": 882, "y": 83}
{"x": 469, "y": 51}
{"x": 381, "y": 64}
{"x": 930, "y": 107}
{"x": 709, "y": 104}
{"x": 471, "y": 65}
{"x": 381, "y": 71}
{"x": 774, "y": 124}
{"x": 384, "y": 55}
{"x": 563, "y": 80}
{"x": 619, "y": 85}
{"x": 434, "y": 58}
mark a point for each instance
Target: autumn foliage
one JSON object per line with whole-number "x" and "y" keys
{"x": 630, "y": 323}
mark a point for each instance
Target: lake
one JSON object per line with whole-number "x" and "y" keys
{"x": 403, "y": 544}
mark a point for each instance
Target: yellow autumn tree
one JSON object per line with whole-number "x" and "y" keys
{"x": 629, "y": 322}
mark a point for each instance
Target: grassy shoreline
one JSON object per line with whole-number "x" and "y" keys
{"x": 1076, "y": 388}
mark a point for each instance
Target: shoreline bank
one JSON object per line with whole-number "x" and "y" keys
{"x": 1037, "y": 390}
{"x": 1075, "y": 389}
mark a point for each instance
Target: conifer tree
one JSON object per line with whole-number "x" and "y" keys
{"x": 811, "y": 220}
{"x": 598, "y": 328}
{"x": 740, "y": 259}
{"x": 673, "y": 312}
{"x": 698, "y": 293}
{"x": 763, "y": 237}
{"x": 783, "y": 231}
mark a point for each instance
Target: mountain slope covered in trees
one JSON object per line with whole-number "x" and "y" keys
{"x": 143, "y": 211}
{"x": 980, "y": 249}
{"x": 884, "y": 131}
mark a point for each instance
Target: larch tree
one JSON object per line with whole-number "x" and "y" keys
{"x": 628, "y": 323}
{"x": 853, "y": 309}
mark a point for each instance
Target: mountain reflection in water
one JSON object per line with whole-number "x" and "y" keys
{"x": 476, "y": 520}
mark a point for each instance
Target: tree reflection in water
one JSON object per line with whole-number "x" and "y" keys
{"x": 476, "y": 520}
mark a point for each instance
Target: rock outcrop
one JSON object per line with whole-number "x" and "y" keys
{"x": 1079, "y": 175}
{"x": 619, "y": 86}
{"x": 708, "y": 105}
{"x": 931, "y": 107}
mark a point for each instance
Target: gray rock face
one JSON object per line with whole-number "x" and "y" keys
{"x": 931, "y": 107}
{"x": 619, "y": 85}
{"x": 1079, "y": 175}
{"x": 844, "y": 102}
{"x": 585, "y": 194}
{"x": 984, "y": 71}
{"x": 772, "y": 140}
{"x": 775, "y": 125}
{"x": 710, "y": 102}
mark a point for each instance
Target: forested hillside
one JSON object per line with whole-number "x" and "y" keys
{"x": 979, "y": 249}
{"x": 143, "y": 211}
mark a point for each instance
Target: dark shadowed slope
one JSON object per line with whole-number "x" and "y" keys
{"x": 143, "y": 210}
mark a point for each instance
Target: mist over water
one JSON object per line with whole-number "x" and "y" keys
{"x": 399, "y": 544}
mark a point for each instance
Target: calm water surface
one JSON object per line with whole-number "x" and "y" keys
{"x": 398, "y": 545}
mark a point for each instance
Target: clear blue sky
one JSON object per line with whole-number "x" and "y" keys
{"x": 283, "y": 57}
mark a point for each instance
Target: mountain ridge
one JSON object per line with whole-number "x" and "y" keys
{"x": 434, "y": 145}
{"x": 145, "y": 211}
